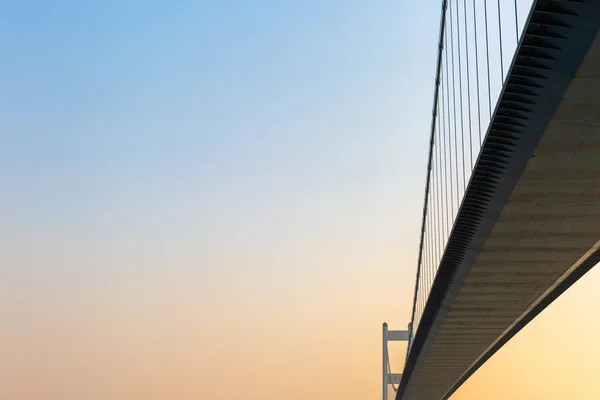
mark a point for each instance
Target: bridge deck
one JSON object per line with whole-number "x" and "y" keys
{"x": 542, "y": 238}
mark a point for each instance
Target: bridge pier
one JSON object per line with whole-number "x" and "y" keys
{"x": 388, "y": 378}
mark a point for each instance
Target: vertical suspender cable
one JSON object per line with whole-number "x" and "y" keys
{"x": 444, "y": 191}
{"x": 445, "y": 205}
{"x": 432, "y": 204}
{"x": 454, "y": 119}
{"x": 433, "y": 216}
{"x": 436, "y": 170}
{"x": 477, "y": 70}
{"x": 431, "y": 222}
{"x": 500, "y": 35}
{"x": 439, "y": 227}
{"x": 418, "y": 314}
{"x": 468, "y": 85}
{"x": 516, "y": 22}
{"x": 460, "y": 99}
{"x": 427, "y": 248}
{"x": 432, "y": 219}
{"x": 487, "y": 51}
{"x": 436, "y": 227}
{"x": 449, "y": 141}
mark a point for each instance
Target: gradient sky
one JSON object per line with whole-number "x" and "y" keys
{"x": 221, "y": 200}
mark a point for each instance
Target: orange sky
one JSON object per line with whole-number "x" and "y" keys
{"x": 163, "y": 336}
{"x": 555, "y": 357}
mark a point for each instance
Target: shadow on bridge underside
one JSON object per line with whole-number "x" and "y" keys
{"x": 528, "y": 225}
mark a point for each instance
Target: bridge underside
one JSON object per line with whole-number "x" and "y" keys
{"x": 543, "y": 236}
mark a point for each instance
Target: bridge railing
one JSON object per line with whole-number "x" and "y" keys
{"x": 477, "y": 43}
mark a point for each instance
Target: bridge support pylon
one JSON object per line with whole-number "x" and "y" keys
{"x": 388, "y": 378}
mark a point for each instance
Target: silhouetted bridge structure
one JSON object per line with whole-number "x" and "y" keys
{"x": 512, "y": 200}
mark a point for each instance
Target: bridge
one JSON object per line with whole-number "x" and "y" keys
{"x": 511, "y": 216}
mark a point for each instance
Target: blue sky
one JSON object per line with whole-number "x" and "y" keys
{"x": 132, "y": 120}
{"x": 190, "y": 168}
{"x": 201, "y": 94}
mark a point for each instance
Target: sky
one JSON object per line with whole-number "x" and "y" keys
{"x": 220, "y": 200}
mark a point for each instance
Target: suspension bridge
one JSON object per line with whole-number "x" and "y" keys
{"x": 511, "y": 215}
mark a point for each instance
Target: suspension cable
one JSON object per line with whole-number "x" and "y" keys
{"x": 436, "y": 90}
{"x": 500, "y": 35}
{"x": 449, "y": 142}
{"x": 516, "y": 23}
{"x": 477, "y": 71}
{"x": 454, "y": 119}
{"x": 460, "y": 99}
{"x": 468, "y": 85}
{"x": 487, "y": 51}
